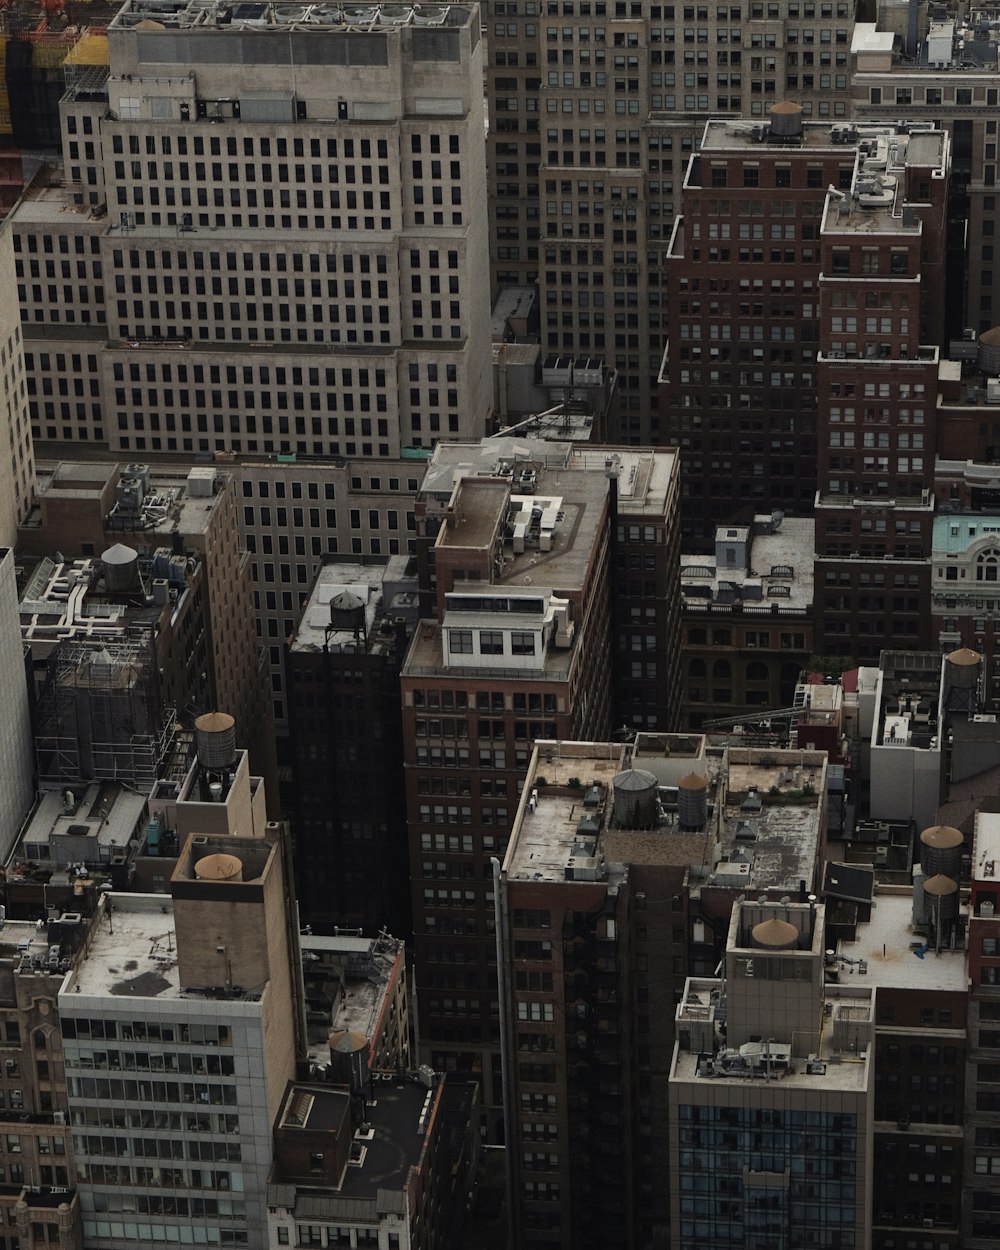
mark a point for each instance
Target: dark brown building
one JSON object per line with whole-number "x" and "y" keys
{"x": 516, "y": 647}
{"x": 881, "y": 302}
{"x": 738, "y": 380}
{"x": 349, "y": 822}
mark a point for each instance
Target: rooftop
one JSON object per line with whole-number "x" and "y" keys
{"x": 183, "y": 499}
{"x": 101, "y": 819}
{"x": 887, "y": 943}
{"x": 780, "y": 570}
{"x": 343, "y": 607}
{"x": 363, "y": 967}
{"x": 986, "y": 847}
{"x": 210, "y": 15}
{"x": 133, "y": 953}
{"x": 399, "y": 1116}
{"x": 543, "y": 845}
{"x": 645, "y": 477}
{"x": 770, "y": 841}
{"x": 837, "y": 1068}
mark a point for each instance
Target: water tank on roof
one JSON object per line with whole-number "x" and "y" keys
{"x": 775, "y": 935}
{"x": 941, "y": 899}
{"x": 786, "y": 120}
{"x": 215, "y": 733}
{"x": 692, "y": 801}
{"x": 347, "y": 611}
{"x": 989, "y": 351}
{"x": 962, "y": 668}
{"x": 219, "y": 868}
{"x": 635, "y": 802}
{"x": 121, "y": 569}
{"x": 349, "y": 1059}
{"x": 941, "y": 852}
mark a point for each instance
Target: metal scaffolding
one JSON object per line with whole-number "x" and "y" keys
{"x": 100, "y": 715}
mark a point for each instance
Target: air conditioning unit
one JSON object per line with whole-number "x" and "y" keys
{"x": 58, "y": 1117}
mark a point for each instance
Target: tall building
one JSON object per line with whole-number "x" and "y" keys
{"x": 270, "y": 235}
{"x": 738, "y": 393}
{"x": 940, "y": 65}
{"x": 772, "y": 1113}
{"x": 596, "y": 109}
{"x": 513, "y": 645}
{"x": 753, "y": 301}
{"x": 180, "y": 1035}
{"x": 17, "y": 466}
{"x": 610, "y": 899}
{"x": 349, "y": 820}
{"x": 16, "y": 762}
{"x": 173, "y": 536}
{"x": 881, "y": 319}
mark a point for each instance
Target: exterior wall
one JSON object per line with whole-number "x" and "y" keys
{"x": 722, "y": 677}
{"x": 594, "y": 115}
{"x": 350, "y": 811}
{"x": 811, "y": 1140}
{"x": 920, "y": 1061}
{"x": 124, "y": 1193}
{"x": 17, "y": 466}
{"x": 401, "y": 295}
{"x": 36, "y": 1148}
{"x": 906, "y": 784}
{"x": 16, "y": 742}
{"x": 568, "y": 978}
{"x": 645, "y": 610}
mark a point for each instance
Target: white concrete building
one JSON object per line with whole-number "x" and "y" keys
{"x": 281, "y": 218}
{"x": 179, "y": 1030}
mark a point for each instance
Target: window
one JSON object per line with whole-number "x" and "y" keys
{"x": 522, "y": 643}
{"x": 460, "y": 641}
{"x": 490, "y": 642}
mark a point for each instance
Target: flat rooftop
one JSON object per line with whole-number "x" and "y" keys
{"x": 261, "y": 15}
{"x": 542, "y": 842}
{"x": 986, "y": 847}
{"x": 102, "y": 818}
{"x": 775, "y": 836}
{"x": 780, "y": 572}
{"x": 399, "y": 1117}
{"x": 169, "y": 494}
{"x": 482, "y": 507}
{"x": 841, "y": 1071}
{"x": 133, "y": 953}
{"x": 887, "y": 942}
{"x": 352, "y": 588}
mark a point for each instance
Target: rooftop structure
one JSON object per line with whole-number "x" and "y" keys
{"x": 100, "y": 714}
{"x": 770, "y": 565}
{"x": 90, "y": 824}
{"x": 413, "y": 1151}
{"x": 357, "y": 985}
{"x": 347, "y": 609}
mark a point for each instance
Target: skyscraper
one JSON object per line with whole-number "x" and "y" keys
{"x": 597, "y": 106}
{"x": 270, "y": 235}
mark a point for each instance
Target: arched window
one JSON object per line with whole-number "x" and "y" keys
{"x": 721, "y": 669}
{"x": 987, "y": 564}
{"x": 756, "y": 671}
{"x": 697, "y": 669}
